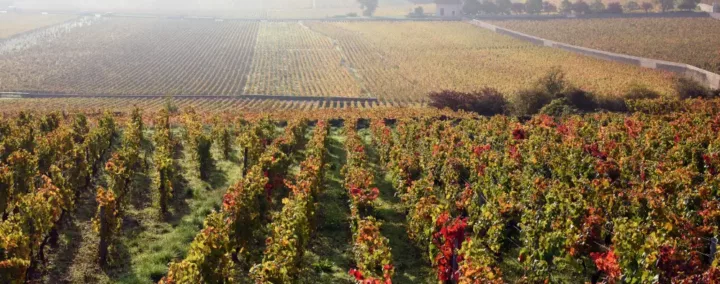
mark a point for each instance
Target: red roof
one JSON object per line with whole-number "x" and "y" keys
{"x": 449, "y": 2}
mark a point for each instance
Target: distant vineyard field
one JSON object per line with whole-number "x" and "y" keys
{"x": 394, "y": 62}
{"x": 12, "y": 24}
{"x": 694, "y": 41}
{"x": 402, "y": 60}
{"x": 138, "y": 56}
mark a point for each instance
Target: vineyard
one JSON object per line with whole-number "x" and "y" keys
{"x": 379, "y": 195}
{"x": 693, "y": 41}
{"x": 397, "y": 63}
{"x": 13, "y": 24}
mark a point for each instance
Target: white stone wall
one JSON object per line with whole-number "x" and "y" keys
{"x": 444, "y": 10}
{"x": 705, "y": 7}
{"x": 708, "y": 78}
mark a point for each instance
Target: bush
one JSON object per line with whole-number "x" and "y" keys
{"x": 580, "y": 99}
{"x": 690, "y": 89}
{"x": 640, "y": 92}
{"x": 487, "y": 101}
{"x": 170, "y": 105}
{"x": 529, "y": 102}
{"x": 613, "y": 104}
{"x": 716, "y": 93}
{"x": 553, "y": 83}
{"x": 559, "y": 107}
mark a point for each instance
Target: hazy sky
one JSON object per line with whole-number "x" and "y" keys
{"x": 140, "y": 4}
{"x": 160, "y": 5}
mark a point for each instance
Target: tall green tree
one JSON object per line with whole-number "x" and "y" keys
{"x": 566, "y": 7}
{"x": 533, "y": 6}
{"x": 666, "y": 5}
{"x": 597, "y": 7}
{"x": 504, "y": 6}
{"x": 472, "y": 7}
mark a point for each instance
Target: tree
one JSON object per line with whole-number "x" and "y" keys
{"x": 518, "y": 8}
{"x": 533, "y": 6}
{"x": 548, "y": 7}
{"x": 566, "y": 7}
{"x": 419, "y": 11}
{"x": 368, "y": 6}
{"x": 687, "y": 5}
{"x": 647, "y": 6}
{"x": 597, "y": 7}
{"x": 580, "y": 7}
{"x": 665, "y": 5}
{"x": 632, "y": 6}
{"x": 614, "y": 8}
{"x": 472, "y": 7}
{"x": 488, "y": 7}
{"x": 504, "y": 6}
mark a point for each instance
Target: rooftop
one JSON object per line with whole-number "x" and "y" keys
{"x": 449, "y": 2}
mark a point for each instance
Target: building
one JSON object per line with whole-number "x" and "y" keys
{"x": 448, "y": 8}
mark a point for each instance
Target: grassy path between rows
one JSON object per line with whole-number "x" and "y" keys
{"x": 411, "y": 266}
{"x": 329, "y": 255}
{"x": 153, "y": 243}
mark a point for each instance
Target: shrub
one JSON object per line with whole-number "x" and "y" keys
{"x": 170, "y": 105}
{"x": 580, "y": 99}
{"x": 487, "y": 101}
{"x": 559, "y": 107}
{"x": 613, "y": 104}
{"x": 553, "y": 83}
{"x": 686, "y": 88}
{"x": 530, "y": 101}
{"x": 640, "y": 92}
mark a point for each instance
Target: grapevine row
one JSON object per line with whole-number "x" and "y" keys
{"x": 225, "y": 237}
{"x": 371, "y": 250}
{"x": 291, "y": 228}
{"x": 45, "y": 165}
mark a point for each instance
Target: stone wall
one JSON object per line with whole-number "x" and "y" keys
{"x": 708, "y": 78}
{"x": 674, "y": 14}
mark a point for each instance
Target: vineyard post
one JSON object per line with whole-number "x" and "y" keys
{"x": 103, "y": 245}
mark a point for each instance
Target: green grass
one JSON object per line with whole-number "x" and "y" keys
{"x": 150, "y": 242}
{"x": 328, "y": 258}
{"x": 154, "y": 242}
{"x": 411, "y": 265}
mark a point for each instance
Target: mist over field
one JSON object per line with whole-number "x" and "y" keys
{"x": 174, "y": 5}
{"x": 141, "y": 4}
